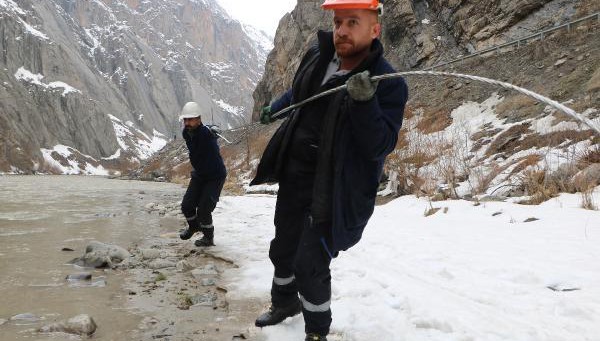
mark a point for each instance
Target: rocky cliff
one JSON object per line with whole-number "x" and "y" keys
{"x": 92, "y": 85}
{"x": 418, "y": 33}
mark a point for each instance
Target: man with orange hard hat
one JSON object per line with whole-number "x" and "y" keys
{"x": 328, "y": 158}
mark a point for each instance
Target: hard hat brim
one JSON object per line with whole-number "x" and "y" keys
{"x": 351, "y": 4}
{"x": 188, "y": 116}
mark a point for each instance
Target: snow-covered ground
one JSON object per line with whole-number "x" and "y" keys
{"x": 465, "y": 273}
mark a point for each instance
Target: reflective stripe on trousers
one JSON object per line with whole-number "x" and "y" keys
{"x": 283, "y": 281}
{"x": 315, "y": 308}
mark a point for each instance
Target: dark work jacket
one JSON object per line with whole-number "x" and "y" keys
{"x": 355, "y": 140}
{"x": 204, "y": 154}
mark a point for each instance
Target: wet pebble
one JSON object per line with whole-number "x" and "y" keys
{"x": 149, "y": 254}
{"x": 99, "y": 283}
{"x": 105, "y": 215}
{"x": 184, "y": 266}
{"x": 67, "y": 249}
{"x": 560, "y": 62}
{"x": 208, "y": 270}
{"x": 25, "y": 317}
{"x": 206, "y": 282}
{"x": 161, "y": 264}
{"x": 83, "y": 276}
{"x": 78, "y": 325}
{"x": 207, "y": 299}
{"x": 96, "y": 283}
{"x": 100, "y": 255}
{"x": 147, "y": 323}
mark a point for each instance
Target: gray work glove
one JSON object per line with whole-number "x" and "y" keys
{"x": 360, "y": 87}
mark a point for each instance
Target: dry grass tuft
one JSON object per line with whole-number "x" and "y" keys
{"x": 525, "y": 162}
{"x": 535, "y": 183}
{"x": 587, "y": 200}
{"x": 589, "y": 157}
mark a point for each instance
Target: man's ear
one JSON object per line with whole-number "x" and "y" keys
{"x": 376, "y": 31}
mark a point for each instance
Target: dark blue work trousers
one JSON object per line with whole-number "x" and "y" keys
{"x": 200, "y": 200}
{"x": 300, "y": 257}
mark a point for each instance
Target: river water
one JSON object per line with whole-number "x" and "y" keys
{"x": 41, "y": 215}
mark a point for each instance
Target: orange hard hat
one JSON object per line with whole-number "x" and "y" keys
{"x": 352, "y": 4}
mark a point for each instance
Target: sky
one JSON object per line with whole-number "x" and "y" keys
{"x": 262, "y": 14}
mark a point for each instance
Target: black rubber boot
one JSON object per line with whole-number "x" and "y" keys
{"x": 189, "y": 232}
{"x": 315, "y": 337}
{"x": 208, "y": 237}
{"x": 276, "y": 315}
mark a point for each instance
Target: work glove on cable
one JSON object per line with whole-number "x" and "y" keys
{"x": 265, "y": 115}
{"x": 360, "y": 87}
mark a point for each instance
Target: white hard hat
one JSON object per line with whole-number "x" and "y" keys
{"x": 190, "y": 110}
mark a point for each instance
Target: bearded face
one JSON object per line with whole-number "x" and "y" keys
{"x": 191, "y": 123}
{"x": 354, "y": 31}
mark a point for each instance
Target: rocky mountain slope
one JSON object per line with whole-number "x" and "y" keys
{"x": 418, "y": 33}
{"x": 460, "y": 138}
{"x": 92, "y": 85}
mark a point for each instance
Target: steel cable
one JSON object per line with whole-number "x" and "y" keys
{"x": 561, "y": 107}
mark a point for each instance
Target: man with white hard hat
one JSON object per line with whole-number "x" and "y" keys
{"x": 207, "y": 178}
{"x": 328, "y": 158}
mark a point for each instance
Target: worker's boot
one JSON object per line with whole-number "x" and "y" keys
{"x": 208, "y": 237}
{"x": 277, "y": 314}
{"x": 315, "y": 337}
{"x": 190, "y": 231}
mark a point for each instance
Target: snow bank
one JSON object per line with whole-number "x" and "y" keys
{"x": 471, "y": 273}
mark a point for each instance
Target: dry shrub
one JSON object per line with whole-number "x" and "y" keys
{"x": 258, "y": 143}
{"x": 431, "y": 211}
{"x": 154, "y": 165}
{"x": 589, "y": 157}
{"x": 231, "y": 186}
{"x": 483, "y": 177}
{"x": 587, "y": 200}
{"x": 536, "y": 184}
{"x": 239, "y": 157}
{"x": 418, "y": 158}
{"x": 525, "y": 162}
{"x": 181, "y": 173}
{"x": 563, "y": 177}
